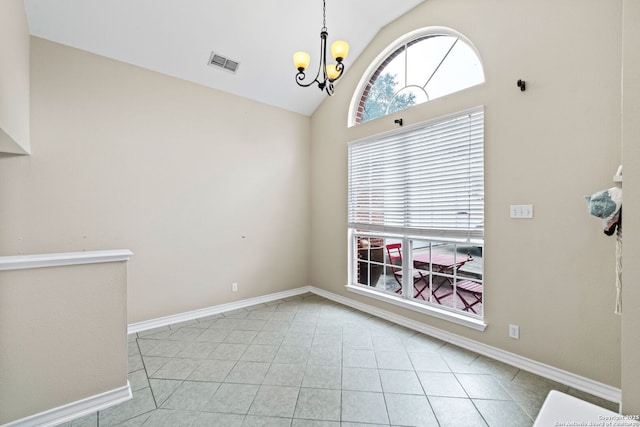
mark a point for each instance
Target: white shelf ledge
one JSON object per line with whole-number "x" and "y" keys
{"x": 21, "y": 262}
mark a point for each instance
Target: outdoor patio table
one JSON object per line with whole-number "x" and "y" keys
{"x": 440, "y": 263}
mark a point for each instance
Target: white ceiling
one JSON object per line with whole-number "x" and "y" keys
{"x": 177, "y": 37}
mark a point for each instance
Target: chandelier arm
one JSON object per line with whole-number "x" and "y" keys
{"x": 300, "y": 79}
{"x": 340, "y": 70}
{"x": 329, "y": 88}
{"x": 323, "y": 58}
{"x": 322, "y": 69}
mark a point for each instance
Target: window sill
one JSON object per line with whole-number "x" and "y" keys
{"x": 459, "y": 319}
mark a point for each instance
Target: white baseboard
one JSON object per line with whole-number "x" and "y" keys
{"x": 572, "y": 380}
{"x": 75, "y": 410}
{"x": 216, "y": 309}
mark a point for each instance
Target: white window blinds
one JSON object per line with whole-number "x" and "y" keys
{"x": 426, "y": 180}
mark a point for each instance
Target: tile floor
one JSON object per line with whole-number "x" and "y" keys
{"x": 307, "y": 361}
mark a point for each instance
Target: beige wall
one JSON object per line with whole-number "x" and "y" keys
{"x": 14, "y": 78}
{"x": 63, "y": 335}
{"x": 631, "y": 157}
{"x": 204, "y": 187}
{"x": 548, "y": 146}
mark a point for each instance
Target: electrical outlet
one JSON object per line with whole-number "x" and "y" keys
{"x": 514, "y": 332}
{"x": 234, "y": 287}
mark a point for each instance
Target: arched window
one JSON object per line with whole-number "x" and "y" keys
{"x": 421, "y": 66}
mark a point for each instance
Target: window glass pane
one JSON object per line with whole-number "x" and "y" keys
{"x": 370, "y": 254}
{"x": 449, "y": 275}
{"x": 388, "y": 79}
{"x": 424, "y": 57}
{"x": 460, "y": 70}
{"x": 440, "y": 64}
{"x": 375, "y": 269}
{"x": 395, "y": 67}
{"x": 406, "y": 97}
{"x": 378, "y": 99}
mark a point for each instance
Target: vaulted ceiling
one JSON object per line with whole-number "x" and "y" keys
{"x": 177, "y": 38}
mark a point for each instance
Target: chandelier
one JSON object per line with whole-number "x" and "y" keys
{"x": 327, "y": 74}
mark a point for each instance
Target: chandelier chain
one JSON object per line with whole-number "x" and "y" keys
{"x": 324, "y": 15}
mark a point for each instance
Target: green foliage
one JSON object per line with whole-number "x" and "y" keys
{"x": 381, "y": 101}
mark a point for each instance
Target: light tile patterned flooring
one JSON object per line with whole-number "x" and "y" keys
{"x": 307, "y": 361}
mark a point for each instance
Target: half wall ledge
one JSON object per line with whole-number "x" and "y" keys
{"x": 63, "y": 333}
{"x": 21, "y": 262}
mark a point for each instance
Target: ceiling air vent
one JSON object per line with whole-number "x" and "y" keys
{"x": 221, "y": 62}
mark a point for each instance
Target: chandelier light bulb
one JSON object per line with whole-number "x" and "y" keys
{"x": 332, "y": 72}
{"x": 301, "y": 60}
{"x": 339, "y": 50}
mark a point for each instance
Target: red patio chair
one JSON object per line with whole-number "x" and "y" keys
{"x": 394, "y": 250}
{"x": 474, "y": 289}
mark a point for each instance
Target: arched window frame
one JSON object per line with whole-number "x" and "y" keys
{"x": 396, "y": 48}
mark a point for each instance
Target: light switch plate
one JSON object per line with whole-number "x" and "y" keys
{"x": 521, "y": 211}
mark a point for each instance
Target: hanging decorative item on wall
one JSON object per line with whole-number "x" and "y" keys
{"x": 607, "y": 205}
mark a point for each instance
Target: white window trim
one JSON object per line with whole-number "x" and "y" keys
{"x": 375, "y": 64}
{"x": 401, "y": 300}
